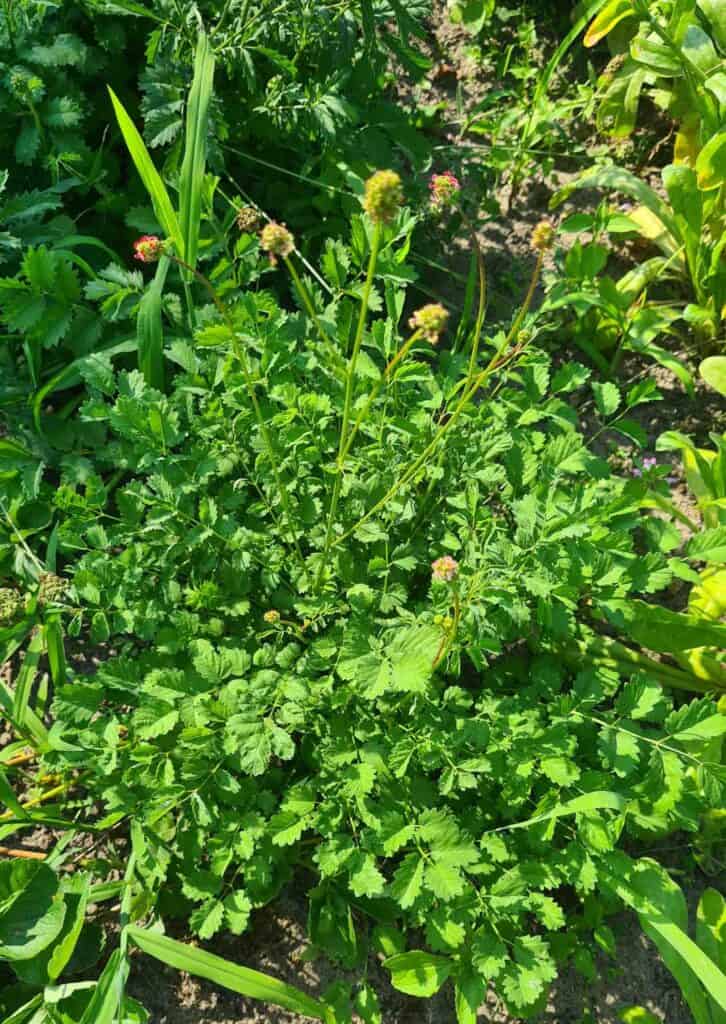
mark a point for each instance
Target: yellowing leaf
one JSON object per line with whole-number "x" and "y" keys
{"x": 615, "y": 12}
{"x": 711, "y": 163}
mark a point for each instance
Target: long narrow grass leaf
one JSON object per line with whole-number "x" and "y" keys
{"x": 150, "y": 330}
{"x": 247, "y": 982}
{"x": 149, "y": 175}
{"x": 23, "y": 717}
{"x": 599, "y": 800}
{"x": 195, "y": 149}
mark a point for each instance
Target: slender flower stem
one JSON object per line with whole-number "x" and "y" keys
{"x": 482, "y": 300}
{"x": 310, "y": 309}
{"x": 474, "y": 349}
{"x": 401, "y": 354}
{"x": 495, "y": 363}
{"x": 342, "y": 449}
{"x": 249, "y": 384}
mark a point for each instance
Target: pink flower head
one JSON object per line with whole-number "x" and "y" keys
{"x": 445, "y": 189}
{"x": 445, "y": 569}
{"x": 148, "y": 249}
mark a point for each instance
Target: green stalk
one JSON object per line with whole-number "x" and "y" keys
{"x": 375, "y": 246}
{"x": 401, "y": 354}
{"x": 310, "y": 309}
{"x": 473, "y": 357}
{"x": 493, "y": 364}
{"x": 623, "y": 659}
{"x": 482, "y": 302}
{"x": 249, "y": 384}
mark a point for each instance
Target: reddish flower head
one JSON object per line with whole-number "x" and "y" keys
{"x": 148, "y": 248}
{"x": 445, "y": 569}
{"x": 445, "y": 189}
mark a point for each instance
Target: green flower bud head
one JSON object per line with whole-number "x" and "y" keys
{"x": 247, "y": 219}
{"x": 543, "y": 236}
{"x": 430, "y": 320}
{"x": 272, "y": 616}
{"x": 383, "y": 196}
{"x": 51, "y": 588}
{"x": 11, "y": 605}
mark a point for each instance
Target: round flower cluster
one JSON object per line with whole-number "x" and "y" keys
{"x": 148, "y": 249}
{"x": 445, "y": 569}
{"x": 51, "y": 588}
{"x": 11, "y": 604}
{"x": 383, "y": 196}
{"x": 248, "y": 219}
{"x": 276, "y": 241}
{"x": 430, "y": 320}
{"x": 272, "y": 616}
{"x": 543, "y": 236}
{"x": 445, "y": 189}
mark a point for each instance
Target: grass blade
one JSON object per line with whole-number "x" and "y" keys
{"x": 150, "y": 331}
{"x": 247, "y": 982}
{"x": 109, "y": 991}
{"x": 23, "y": 717}
{"x": 598, "y": 800}
{"x": 56, "y": 653}
{"x": 195, "y": 150}
{"x": 149, "y": 175}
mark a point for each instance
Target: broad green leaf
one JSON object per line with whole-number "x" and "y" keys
{"x": 646, "y": 887}
{"x": 408, "y": 880}
{"x": 709, "y": 546}
{"x": 662, "y": 630}
{"x": 214, "y": 968}
{"x": 686, "y": 202}
{"x": 607, "y": 398}
{"x": 32, "y": 910}
{"x": 418, "y": 973}
{"x": 715, "y": 11}
{"x": 149, "y": 175}
{"x": 699, "y": 49}
{"x": 620, "y": 180}
{"x": 195, "y": 149}
{"x": 711, "y": 163}
{"x": 613, "y": 13}
{"x": 713, "y": 371}
{"x": 109, "y": 991}
{"x": 711, "y": 936}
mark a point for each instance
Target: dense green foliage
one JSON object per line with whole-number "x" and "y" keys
{"x": 359, "y": 603}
